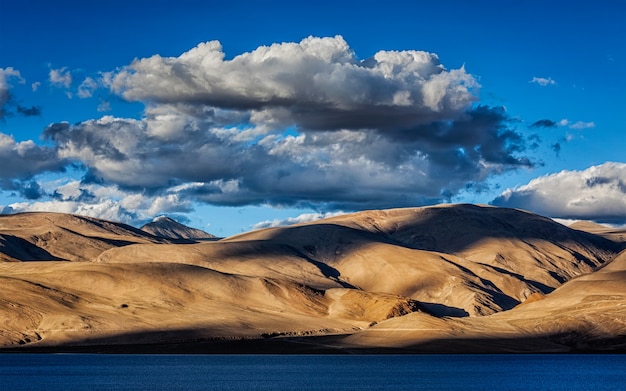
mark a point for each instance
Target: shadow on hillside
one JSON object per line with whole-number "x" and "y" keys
{"x": 440, "y": 229}
{"x": 448, "y": 230}
{"x": 253, "y": 249}
{"x": 542, "y": 287}
{"x": 441, "y": 310}
{"x": 109, "y": 241}
{"x": 457, "y": 228}
{"x": 23, "y": 250}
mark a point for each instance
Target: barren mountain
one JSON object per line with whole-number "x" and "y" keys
{"x": 413, "y": 279}
{"x": 614, "y": 234}
{"x": 167, "y": 228}
{"x": 587, "y": 313}
{"x": 56, "y": 236}
{"x": 462, "y": 258}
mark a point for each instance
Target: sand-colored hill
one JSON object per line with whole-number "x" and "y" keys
{"x": 586, "y": 313}
{"x": 614, "y": 234}
{"x": 467, "y": 259}
{"x": 396, "y": 279}
{"x": 57, "y": 236}
{"x": 54, "y": 303}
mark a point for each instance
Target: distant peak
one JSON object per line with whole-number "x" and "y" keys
{"x": 167, "y": 227}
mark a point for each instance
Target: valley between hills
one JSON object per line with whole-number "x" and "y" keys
{"x": 439, "y": 279}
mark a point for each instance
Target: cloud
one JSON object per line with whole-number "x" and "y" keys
{"x": 345, "y": 169}
{"x": 542, "y": 81}
{"x": 597, "y": 193}
{"x": 579, "y": 125}
{"x": 318, "y": 83}
{"x": 104, "y": 106}
{"x": 8, "y": 105}
{"x": 303, "y": 218}
{"x": 105, "y": 202}
{"x": 547, "y": 123}
{"x": 23, "y": 160}
{"x": 6, "y": 75}
{"x": 303, "y": 124}
{"x": 32, "y": 111}
{"x": 106, "y": 209}
{"x": 87, "y": 88}
{"x": 61, "y": 77}
{"x": 30, "y": 190}
{"x": 35, "y": 86}
{"x": 544, "y": 123}
{"x": 582, "y": 125}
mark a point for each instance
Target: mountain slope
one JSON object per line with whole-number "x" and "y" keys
{"x": 465, "y": 259}
{"x": 403, "y": 278}
{"x": 614, "y": 234}
{"x": 56, "y": 236}
{"x": 587, "y": 313}
{"x": 167, "y": 228}
{"x": 55, "y": 303}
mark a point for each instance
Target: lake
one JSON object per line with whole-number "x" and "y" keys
{"x": 311, "y": 372}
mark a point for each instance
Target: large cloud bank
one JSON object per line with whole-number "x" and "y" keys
{"x": 597, "y": 193}
{"x": 315, "y": 84}
{"x": 306, "y": 124}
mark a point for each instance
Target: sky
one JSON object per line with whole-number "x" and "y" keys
{"x": 244, "y": 115}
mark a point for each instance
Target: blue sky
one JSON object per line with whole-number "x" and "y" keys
{"x": 284, "y": 113}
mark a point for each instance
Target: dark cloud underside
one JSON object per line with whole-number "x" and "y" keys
{"x": 291, "y": 124}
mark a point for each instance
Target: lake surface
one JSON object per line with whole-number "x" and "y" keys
{"x": 311, "y": 372}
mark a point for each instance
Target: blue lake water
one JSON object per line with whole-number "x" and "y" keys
{"x": 311, "y": 372}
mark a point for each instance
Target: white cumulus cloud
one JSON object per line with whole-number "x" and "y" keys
{"x": 60, "y": 77}
{"x": 320, "y": 81}
{"x": 299, "y": 124}
{"x": 101, "y": 201}
{"x": 597, "y": 193}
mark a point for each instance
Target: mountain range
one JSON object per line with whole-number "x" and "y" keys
{"x": 446, "y": 278}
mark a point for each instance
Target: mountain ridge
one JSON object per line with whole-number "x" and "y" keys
{"x": 461, "y": 269}
{"x": 34, "y": 236}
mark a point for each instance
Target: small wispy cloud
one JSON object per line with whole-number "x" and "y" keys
{"x": 87, "y": 88}
{"x": 542, "y": 81}
{"x": 60, "y": 77}
{"x": 577, "y": 125}
{"x": 104, "y": 106}
{"x": 582, "y": 125}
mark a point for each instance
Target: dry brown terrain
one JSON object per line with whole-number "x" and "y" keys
{"x": 614, "y": 234}
{"x": 434, "y": 279}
